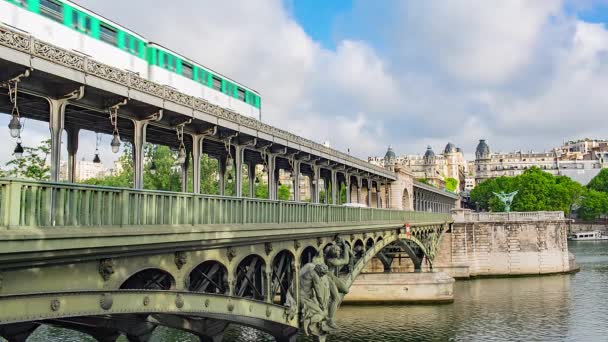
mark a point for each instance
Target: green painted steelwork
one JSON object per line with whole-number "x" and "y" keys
{"x": 28, "y": 204}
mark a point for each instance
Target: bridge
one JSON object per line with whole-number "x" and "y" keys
{"x": 111, "y": 261}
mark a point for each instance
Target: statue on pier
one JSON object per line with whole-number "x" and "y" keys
{"x": 506, "y": 199}
{"x": 321, "y": 290}
{"x": 315, "y": 298}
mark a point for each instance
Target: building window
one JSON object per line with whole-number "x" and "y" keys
{"x": 187, "y": 70}
{"x": 216, "y": 83}
{"x": 108, "y": 34}
{"x": 52, "y": 9}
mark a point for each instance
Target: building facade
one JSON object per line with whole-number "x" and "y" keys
{"x": 580, "y": 160}
{"x": 433, "y": 168}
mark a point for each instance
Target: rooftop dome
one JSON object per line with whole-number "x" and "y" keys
{"x": 450, "y": 148}
{"x": 483, "y": 150}
{"x": 429, "y": 154}
{"x": 390, "y": 153}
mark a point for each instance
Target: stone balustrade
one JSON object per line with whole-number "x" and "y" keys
{"x": 465, "y": 215}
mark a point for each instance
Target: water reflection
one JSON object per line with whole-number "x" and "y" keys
{"x": 550, "y": 308}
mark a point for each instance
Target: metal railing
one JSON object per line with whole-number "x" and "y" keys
{"x": 26, "y": 203}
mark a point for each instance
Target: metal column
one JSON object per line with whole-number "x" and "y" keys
{"x": 139, "y": 139}
{"x": 296, "y": 180}
{"x": 197, "y": 152}
{"x": 72, "y": 133}
{"x": 238, "y": 172}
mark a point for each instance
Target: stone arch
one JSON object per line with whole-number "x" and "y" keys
{"x": 149, "y": 279}
{"x": 283, "y": 273}
{"x": 210, "y": 276}
{"x": 250, "y": 277}
{"x": 308, "y": 255}
{"x": 379, "y": 238}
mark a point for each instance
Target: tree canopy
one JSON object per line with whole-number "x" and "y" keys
{"x": 451, "y": 184}
{"x": 537, "y": 190}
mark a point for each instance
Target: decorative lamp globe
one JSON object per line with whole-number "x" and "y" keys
{"x": 181, "y": 155}
{"x": 153, "y": 168}
{"x": 115, "y": 144}
{"x": 229, "y": 162}
{"x": 15, "y": 126}
{"x": 18, "y": 152}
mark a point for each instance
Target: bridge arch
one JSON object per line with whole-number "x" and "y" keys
{"x": 369, "y": 243}
{"x": 283, "y": 275}
{"x": 210, "y": 276}
{"x": 250, "y": 278}
{"x": 149, "y": 279}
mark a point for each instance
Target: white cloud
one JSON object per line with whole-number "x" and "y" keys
{"x": 522, "y": 74}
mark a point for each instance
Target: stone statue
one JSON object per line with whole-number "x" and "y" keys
{"x": 506, "y": 199}
{"x": 321, "y": 289}
{"x": 315, "y": 298}
{"x": 336, "y": 256}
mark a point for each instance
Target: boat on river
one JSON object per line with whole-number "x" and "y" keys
{"x": 588, "y": 236}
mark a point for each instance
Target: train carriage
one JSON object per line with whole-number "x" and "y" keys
{"x": 73, "y": 27}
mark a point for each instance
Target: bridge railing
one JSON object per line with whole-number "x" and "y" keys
{"x": 44, "y": 204}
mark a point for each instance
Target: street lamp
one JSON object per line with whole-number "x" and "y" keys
{"x": 115, "y": 144}
{"x": 153, "y": 168}
{"x": 15, "y": 126}
{"x": 18, "y": 151}
{"x": 96, "y": 159}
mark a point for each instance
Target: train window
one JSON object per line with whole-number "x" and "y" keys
{"x": 241, "y": 94}
{"x": 52, "y": 9}
{"x": 187, "y": 70}
{"x": 87, "y": 24}
{"x": 108, "y": 34}
{"x": 217, "y": 83}
{"x": 75, "y": 20}
{"x": 135, "y": 46}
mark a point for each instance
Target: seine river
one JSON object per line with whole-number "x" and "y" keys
{"x": 551, "y": 308}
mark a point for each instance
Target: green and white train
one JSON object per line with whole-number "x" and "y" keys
{"x": 73, "y": 27}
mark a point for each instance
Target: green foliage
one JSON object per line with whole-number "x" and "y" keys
{"x": 423, "y": 181}
{"x": 593, "y": 205}
{"x": 537, "y": 190}
{"x": 599, "y": 182}
{"x": 123, "y": 178}
{"x": 451, "y": 184}
{"x": 33, "y": 163}
{"x": 168, "y": 174}
{"x": 284, "y": 193}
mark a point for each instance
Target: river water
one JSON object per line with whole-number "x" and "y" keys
{"x": 550, "y": 308}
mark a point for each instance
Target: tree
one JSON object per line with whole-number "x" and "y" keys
{"x": 167, "y": 174}
{"x": 599, "y": 182}
{"x": 593, "y": 205}
{"x": 537, "y": 190}
{"x": 123, "y": 178}
{"x": 284, "y": 192}
{"x": 33, "y": 163}
{"x": 451, "y": 184}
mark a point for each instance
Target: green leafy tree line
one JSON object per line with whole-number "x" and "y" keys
{"x": 539, "y": 190}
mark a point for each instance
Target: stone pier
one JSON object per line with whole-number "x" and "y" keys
{"x": 505, "y": 244}
{"x": 411, "y": 288}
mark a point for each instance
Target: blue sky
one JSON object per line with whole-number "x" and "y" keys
{"x": 318, "y": 17}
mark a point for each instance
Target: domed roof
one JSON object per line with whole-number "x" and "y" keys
{"x": 390, "y": 153}
{"x": 429, "y": 152}
{"x": 483, "y": 150}
{"x": 449, "y": 148}
{"x": 458, "y": 149}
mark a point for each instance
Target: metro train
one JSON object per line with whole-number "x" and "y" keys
{"x": 73, "y": 27}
